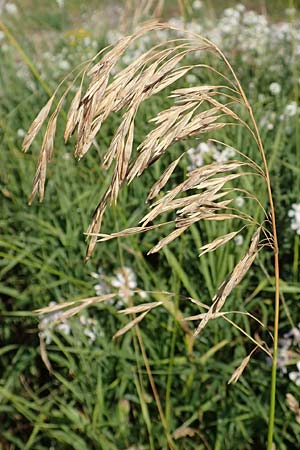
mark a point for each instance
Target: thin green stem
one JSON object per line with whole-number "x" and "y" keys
{"x": 171, "y": 443}
{"x": 25, "y": 58}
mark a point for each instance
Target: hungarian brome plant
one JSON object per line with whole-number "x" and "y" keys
{"x": 205, "y": 195}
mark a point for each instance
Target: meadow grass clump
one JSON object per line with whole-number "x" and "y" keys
{"x": 207, "y": 194}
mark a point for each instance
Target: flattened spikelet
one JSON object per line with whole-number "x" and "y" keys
{"x": 218, "y": 242}
{"x": 130, "y": 325}
{"x": 233, "y": 280}
{"x": 162, "y": 181}
{"x": 167, "y": 240}
{"x": 140, "y": 308}
{"x": 37, "y": 124}
{"x": 239, "y": 370}
{"x": 73, "y": 115}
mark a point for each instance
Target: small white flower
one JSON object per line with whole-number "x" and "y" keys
{"x": 11, "y": 8}
{"x": 291, "y": 109}
{"x": 232, "y": 13}
{"x": 64, "y": 65}
{"x": 64, "y": 327}
{"x": 67, "y": 156}
{"x": 204, "y": 147}
{"x": 21, "y": 133}
{"x": 191, "y": 78}
{"x": 125, "y": 280}
{"x": 49, "y": 322}
{"x": 294, "y": 214}
{"x": 275, "y": 88}
{"x": 89, "y": 327}
{"x": 266, "y": 123}
{"x": 229, "y": 152}
{"x": 223, "y": 155}
{"x": 143, "y": 294}
{"x": 295, "y": 376}
{"x": 240, "y": 7}
{"x": 239, "y": 201}
{"x": 101, "y": 288}
{"x": 90, "y": 334}
{"x": 239, "y": 240}
{"x": 2, "y": 35}
{"x": 61, "y": 3}
{"x": 195, "y": 159}
{"x": 197, "y": 5}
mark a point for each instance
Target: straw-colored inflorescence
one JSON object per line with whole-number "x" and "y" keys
{"x": 207, "y": 193}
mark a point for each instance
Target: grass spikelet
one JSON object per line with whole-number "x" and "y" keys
{"x": 37, "y": 124}
{"x": 240, "y": 369}
{"x": 162, "y": 181}
{"x": 234, "y": 279}
{"x": 130, "y": 325}
{"x": 293, "y": 405}
{"x": 218, "y": 242}
{"x": 73, "y": 115}
{"x": 140, "y": 308}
